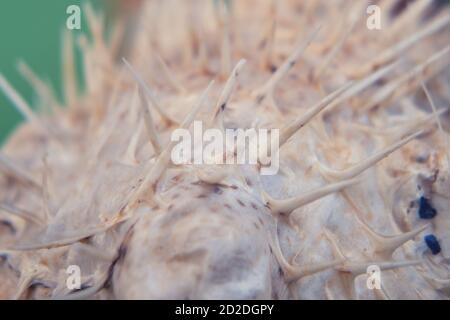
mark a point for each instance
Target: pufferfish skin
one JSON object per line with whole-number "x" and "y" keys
{"x": 359, "y": 207}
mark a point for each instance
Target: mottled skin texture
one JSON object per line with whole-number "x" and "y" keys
{"x": 215, "y": 247}
{"x": 185, "y": 237}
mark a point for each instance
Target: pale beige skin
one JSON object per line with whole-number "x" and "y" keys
{"x": 91, "y": 185}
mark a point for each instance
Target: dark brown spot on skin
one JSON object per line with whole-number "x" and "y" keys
{"x": 260, "y": 98}
{"x": 256, "y": 225}
{"x": 234, "y": 187}
{"x": 223, "y": 106}
{"x": 411, "y": 204}
{"x": 8, "y": 225}
{"x": 248, "y": 182}
{"x": 202, "y": 196}
{"x": 226, "y": 205}
{"x": 240, "y": 202}
{"x": 177, "y": 178}
{"x": 380, "y": 82}
{"x": 399, "y": 7}
{"x": 194, "y": 255}
{"x": 421, "y": 159}
{"x": 273, "y": 68}
{"x": 122, "y": 252}
{"x": 254, "y": 206}
{"x": 216, "y": 189}
{"x": 280, "y": 272}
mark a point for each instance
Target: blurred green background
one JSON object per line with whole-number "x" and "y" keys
{"x": 31, "y": 30}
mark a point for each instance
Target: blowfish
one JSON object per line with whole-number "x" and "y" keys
{"x": 93, "y": 206}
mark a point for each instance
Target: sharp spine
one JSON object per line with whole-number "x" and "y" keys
{"x": 148, "y": 92}
{"x": 297, "y": 124}
{"x": 357, "y": 268}
{"x": 22, "y": 213}
{"x": 286, "y": 206}
{"x": 163, "y": 159}
{"x": 11, "y": 168}
{"x": 267, "y": 89}
{"x": 225, "y": 96}
{"x": 149, "y": 122}
{"x": 367, "y": 163}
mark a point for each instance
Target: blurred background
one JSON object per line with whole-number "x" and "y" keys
{"x": 32, "y": 31}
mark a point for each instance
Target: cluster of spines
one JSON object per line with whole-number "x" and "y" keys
{"x": 385, "y": 246}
